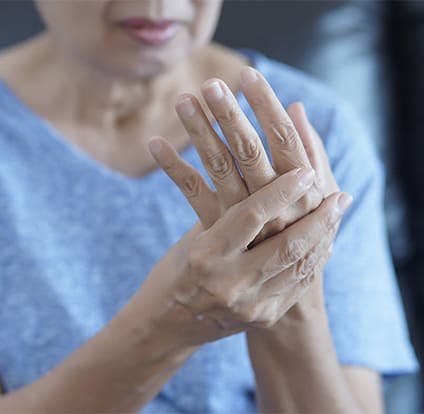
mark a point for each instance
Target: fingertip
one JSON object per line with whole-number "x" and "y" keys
{"x": 344, "y": 201}
{"x": 248, "y": 75}
{"x": 213, "y": 90}
{"x": 182, "y": 97}
{"x": 155, "y": 145}
{"x": 186, "y": 105}
{"x": 296, "y": 105}
{"x": 301, "y": 107}
{"x": 296, "y": 109}
{"x": 208, "y": 82}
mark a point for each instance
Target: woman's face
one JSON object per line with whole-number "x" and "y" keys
{"x": 130, "y": 38}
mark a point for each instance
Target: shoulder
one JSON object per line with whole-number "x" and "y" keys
{"x": 23, "y": 71}
{"x": 13, "y": 60}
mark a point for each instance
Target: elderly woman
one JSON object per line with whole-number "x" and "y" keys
{"x": 113, "y": 298}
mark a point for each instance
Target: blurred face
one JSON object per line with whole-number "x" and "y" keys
{"x": 130, "y": 38}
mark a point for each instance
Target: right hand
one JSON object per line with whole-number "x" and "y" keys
{"x": 210, "y": 285}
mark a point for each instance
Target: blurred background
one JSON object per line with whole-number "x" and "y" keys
{"x": 372, "y": 53}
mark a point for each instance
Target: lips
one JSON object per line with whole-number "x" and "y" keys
{"x": 152, "y": 33}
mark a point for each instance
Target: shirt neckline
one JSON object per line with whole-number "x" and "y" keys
{"x": 188, "y": 153}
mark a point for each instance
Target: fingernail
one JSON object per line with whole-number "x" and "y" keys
{"x": 249, "y": 75}
{"x": 155, "y": 146}
{"x": 213, "y": 91}
{"x": 343, "y": 202}
{"x": 305, "y": 176}
{"x": 186, "y": 107}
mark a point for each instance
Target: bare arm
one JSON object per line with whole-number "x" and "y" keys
{"x": 296, "y": 366}
{"x": 208, "y": 286}
{"x": 366, "y": 386}
{"x": 294, "y": 361}
{"x": 297, "y": 370}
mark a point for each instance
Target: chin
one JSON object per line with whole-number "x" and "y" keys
{"x": 143, "y": 64}
{"x": 125, "y": 57}
{"x": 144, "y": 70}
{"x": 148, "y": 68}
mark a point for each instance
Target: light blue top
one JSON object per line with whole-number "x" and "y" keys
{"x": 77, "y": 239}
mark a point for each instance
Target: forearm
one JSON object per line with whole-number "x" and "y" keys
{"x": 119, "y": 370}
{"x": 296, "y": 366}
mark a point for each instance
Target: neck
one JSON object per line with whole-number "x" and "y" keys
{"x": 97, "y": 99}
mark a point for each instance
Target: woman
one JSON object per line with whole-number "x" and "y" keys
{"x": 99, "y": 311}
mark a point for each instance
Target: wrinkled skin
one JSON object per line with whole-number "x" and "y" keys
{"x": 303, "y": 253}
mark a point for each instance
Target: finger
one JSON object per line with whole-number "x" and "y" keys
{"x": 284, "y": 142}
{"x": 297, "y": 114}
{"x": 246, "y": 145}
{"x": 288, "y": 247}
{"x": 214, "y": 154}
{"x": 267, "y": 301}
{"x": 310, "y": 142}
{"x": 242, "y": 222}
{"x": 320, "y": 251}
{"x": 302, "y": 267}
{"x": 276, "y": 305}
{"x": 314, "y": 148}
{"x": 202, "y": 199}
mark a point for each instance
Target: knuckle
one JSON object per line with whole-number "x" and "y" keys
{"x": 284, "y": 195}
{"x": 220, "y": 166}
{"x": 202, "y": 259}
{"x": 252, "y": 216}
{"x": 277, "y": 225}
{"x": 219, "y": 299}
{"x": 229, "y": 115}
{"x": 323, "y": 246}
{"x": 196, "y": 130}
{"x": 311, "y": 200}
{"x": 327, "y": 222}
{"x": 248, "y": 152}
{"x": 259, "y": 100}
{"x": 292, "y": 251}
{"x": 310, "y": 278}
{"x": 249, "y": 314}
{"x": 308, "y": 264}
{"x": 214, "y": 292}
{"x": 191, "y": 185}
{"x": 199, "y": 261}
{"x": 228, "y": 298}
{"x": 307, "y": 281}
{"x": 329, "y": 218}
{"x": 286, "y": 133}
{"x": 170, "y": 166}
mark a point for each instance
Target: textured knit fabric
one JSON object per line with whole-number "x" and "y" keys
{"x": 77, "y": 239}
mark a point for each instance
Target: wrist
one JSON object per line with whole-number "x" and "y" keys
{"x": 309, "y": 309}
{"x": 147, "y": 335}
{"x": 305, "y": 320}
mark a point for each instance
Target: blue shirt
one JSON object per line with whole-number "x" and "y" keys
{"x": 77, "y": 239}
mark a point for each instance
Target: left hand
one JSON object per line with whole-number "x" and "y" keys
{"x": 292, "y": 141}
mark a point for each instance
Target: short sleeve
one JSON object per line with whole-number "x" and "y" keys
{"x": 362, "y": 297}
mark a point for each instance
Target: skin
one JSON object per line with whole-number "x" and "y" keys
{"x": 297, "y": 349}
{"x": 264, "y": 280}
{"x": 110, "y": 113}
